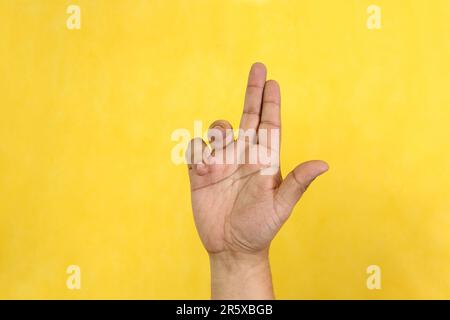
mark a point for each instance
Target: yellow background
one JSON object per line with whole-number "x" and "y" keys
{"x": 87, "y": 115}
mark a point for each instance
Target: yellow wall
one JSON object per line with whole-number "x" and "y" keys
{"x": 86, "y": 117}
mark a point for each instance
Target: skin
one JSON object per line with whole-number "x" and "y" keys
{"x": 238, "y": 210}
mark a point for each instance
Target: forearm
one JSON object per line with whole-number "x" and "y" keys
{"x": 241, "y": 276}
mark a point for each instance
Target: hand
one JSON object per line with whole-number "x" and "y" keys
{"x": 240, "y": 206}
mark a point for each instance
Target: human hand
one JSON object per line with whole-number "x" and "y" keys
{"x": 239, "y": 205}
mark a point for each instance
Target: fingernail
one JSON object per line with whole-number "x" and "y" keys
{"x": 200, "y": 165}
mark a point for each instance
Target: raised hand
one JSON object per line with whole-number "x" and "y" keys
{"x": 239, "y": 197}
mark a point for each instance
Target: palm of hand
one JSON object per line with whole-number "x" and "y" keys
{"x": 236, "y": 208}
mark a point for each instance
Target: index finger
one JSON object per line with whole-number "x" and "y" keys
{"x": 270, "y": 125}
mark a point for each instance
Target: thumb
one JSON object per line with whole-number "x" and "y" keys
{"x": 296, "y": 183}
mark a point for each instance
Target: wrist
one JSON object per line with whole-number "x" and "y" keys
{"x": 241, "y": 275}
